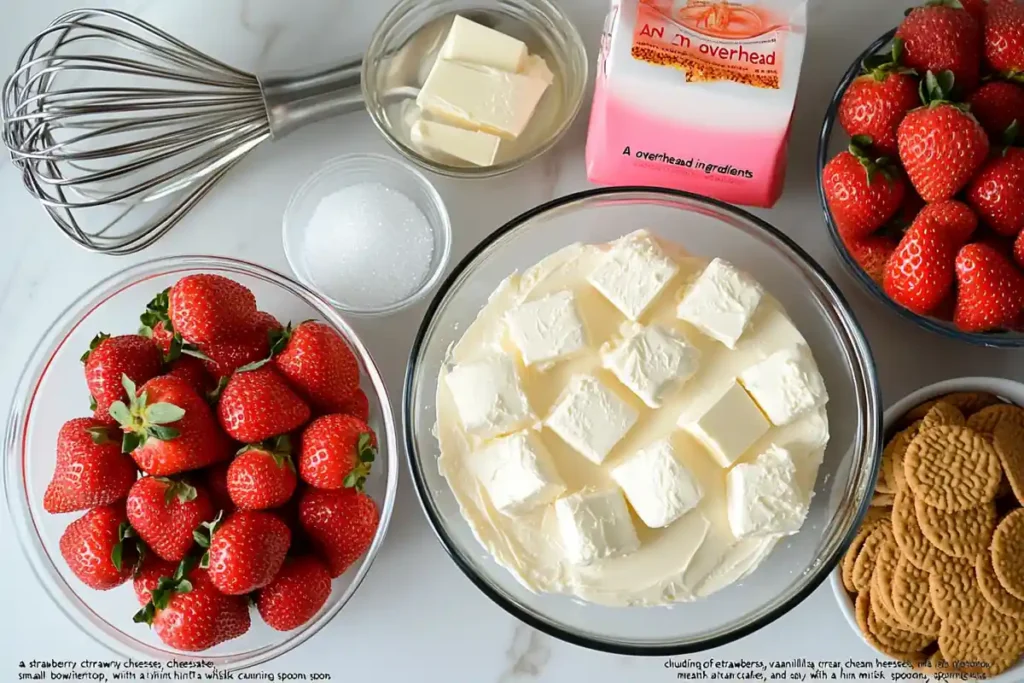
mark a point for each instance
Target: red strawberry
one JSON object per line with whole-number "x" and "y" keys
{"x": 862, "y": 194}
{"x": 997, "y": 192}
{"x": 262, "y": 477}
{"x": 246, "y": 551}
{"x": 871, "y": 254}
{"x": 258, "y": 404}
{"x": 188, "y": 613}
{"x": 224, "y": 358}
{"x": 215, "y": 481}
{"x": 943, "y": 38}
{"x": 919, "y": 274}
{"x": 876, "y": 102}
{"x": 165, "y": 513}
{"x": 358, "y": 405}
{"x": 318, "y": 363}
{"x": 148, "y": 576}
{"x": 991, "y": 290}
{"x": 169, "y": 428}
{"x": 941, "y": 146}
{"x": 209, "y": 308}
{"x": 337, "y": 451}
{"x": 341, "y": 523}
{"x": 296, "y": 595}
{"x": 997, "y": 105}
{"x": 977, "y": 9}
{"x": 1004, "y": 36}
{"x": 192, "y": 371}
{"x": 109, "y": 359}
{"x": 95, "y": 550}
{"x": 91, "y": 470}
{"x": 952, "y": 218}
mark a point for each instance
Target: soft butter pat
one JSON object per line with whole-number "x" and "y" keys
{"x": 547, "y": 329}
{"x": 474, "y": 146}
{"x": 721, "y": 302}
{"x": 786, "y": 385}
{"x": 657, "y": 485}
{"x": 489, "y": 396}
{"x": 652, "y": 361}
{"x": 517, "y": 472}
{"x": 474, "y": 43}
{"x": 591, "y": 418}
{"x": 763, "y": 497}
{"x": 594, "y": 525}
{"x": 730, "y": 425}
{"x": 633, "y": 273}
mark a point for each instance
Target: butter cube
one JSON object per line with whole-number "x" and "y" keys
{"x": 633, "y": 273}
{"x": 547, "y": 329}
{"x": 657, "y": 485}
{"x": 517, "y": 472}
{"x": 473, "y": 146}
{"x": 468, "y": 41}
{"x": 489, "y": 396}
{"x": 721, "y": 302}
{"x": 594, "y": 525}
{"x": 729, "y": 426}
{"x": 652, "y": 361}
{"x": 786, "y": 385}
{"x": 591, "y": 418}
{"x": 763, "y": 498}
{"x": 536, "y": 67}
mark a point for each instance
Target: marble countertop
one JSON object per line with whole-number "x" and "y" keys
{"x": 417, "y": 617}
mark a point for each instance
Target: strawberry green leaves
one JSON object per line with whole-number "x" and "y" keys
{"x": 367, "y": 454}
{"x": 141, "y": 421}
{"x": 166, "y": 588}
{"x": 96, "y": 341}
{"x": 204, "y": 536}
{"x": 125, "y": 534}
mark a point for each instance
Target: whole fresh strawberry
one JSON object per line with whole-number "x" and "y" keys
{"x": 258, "y": 404}
{"x": 215, "y": 481}
{"x": 872, "y": 253}
{"x": 245, "y": 551}
{"x": 148, "y": 576}
{"x": 1004, "y": 36}
{"x": 341, "y": 523}
{"x": 207, "y": 308}
{"x": 336, "y": 451}
{"x": 109, "y": 359}
{"x": 165, "y": 513}
{"x": 862, "y": 193}
{"x": 95, "y": 549}
{"x": 941, "y": 145}
{"x": 875, "y": 103}
{"x": 990, "y": 293}
{"x": 91, "y": 470}
{"x": 188, "y": 613}
{"x": 954, "y": 219}
{"x": 997, "y": 192}
{"x": 169, "y": 428}
{"x": 298, "y": 592}
{"x": 224, "y": 358}
{"x": 192, "y": 371}
{"x": 358, "y": 405}
{"x": 941, "y": 37}
{"x": 318, "y": 363}
{"x": 997, "y": 105}
{"x": 919, "y": 274}
{"x": 262, "y": 476}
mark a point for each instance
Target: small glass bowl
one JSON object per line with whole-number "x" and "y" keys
{"x": 348, "y": 170}
{"x": 52, "y": 390}
{"x": 401, "y": 53}
{"x": 828, "y": 146}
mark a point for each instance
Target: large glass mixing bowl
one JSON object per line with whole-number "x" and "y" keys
{"x": 706, "y": 228}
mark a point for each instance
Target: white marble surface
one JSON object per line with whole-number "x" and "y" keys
{"x": 416, "y": 616}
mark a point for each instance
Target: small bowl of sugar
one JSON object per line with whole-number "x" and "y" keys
{"x": 368, "y": 233}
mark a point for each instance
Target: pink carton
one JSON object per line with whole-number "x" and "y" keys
{"x": 697, "y": 95}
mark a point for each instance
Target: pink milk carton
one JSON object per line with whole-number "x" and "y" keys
{"x": 697, "y": 95}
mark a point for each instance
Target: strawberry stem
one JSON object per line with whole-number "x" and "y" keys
{"x": 96, "y": 341}
{"x": 166, "y": 588}
{"x": 141, "y": 421}
{"x": 278, "y": 447}
{"x": 181, "y": 490}
{"x": 367, "y": 453}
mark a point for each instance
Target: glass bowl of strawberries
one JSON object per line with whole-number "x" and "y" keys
{"x": 236, "y": 470}
{"x": 919, "y": 174}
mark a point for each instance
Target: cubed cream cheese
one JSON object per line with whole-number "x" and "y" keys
{"x": 721, "y": 302}
{"x": 657, "y": 485}
{"x": 652, "y": 361}
{"x": 786, "y": 385}
{"x": 468, "y": 41}
{"x": 633, "y": 273}
{"x": 547, "y": 329}
{"x": 489, "y": 396}
{"x": 729, "y": 426}
{"x": 591, "y": 418}
{"x": 594, "y": 525}
{"x": 763, "y": 496}
{"x": 474, "y": 146}
{"x": 517, "y": 472}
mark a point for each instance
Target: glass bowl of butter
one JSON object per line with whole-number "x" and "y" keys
{"x": 642, "y": 421}
{"x": 470, "y": 89}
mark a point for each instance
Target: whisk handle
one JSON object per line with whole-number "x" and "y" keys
{"x": 293, "y": 101}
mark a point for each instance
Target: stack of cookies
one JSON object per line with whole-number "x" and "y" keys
{"x": 937, "y": 568}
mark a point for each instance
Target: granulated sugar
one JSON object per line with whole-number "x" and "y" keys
{"x": 368, "y": 246}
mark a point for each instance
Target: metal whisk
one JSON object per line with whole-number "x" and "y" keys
{"x": 119, "y": 128}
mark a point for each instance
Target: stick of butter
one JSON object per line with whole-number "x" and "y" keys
{"x": 469, "y": 145}
{"x": 474, "y": 43}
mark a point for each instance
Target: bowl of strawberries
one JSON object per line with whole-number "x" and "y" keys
{"x": 191, "y": 475}
{"x": 921, "y": 169}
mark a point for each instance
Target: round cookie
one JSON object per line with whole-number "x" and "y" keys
{"x": 971, "y": 651}
{"x": 881, "y": 583}
{"x": 958, "y": 534}
{"x": 943, "y": 414}
{"x": 997, "y": 596}
{"x": 911, "y": 540}
{"x": 864, "y": 565}
{"x": 1008, "y": 439}
{"x": 1008, "y": 553}
{"x": 986, "y": 419}
{"x": 892, "y": 457}
{"x": 958, "y": 599}
{"x": 968, "y": 402}
{"x": 868, "y": 624}
{"x": 952, "y": 468}
{"x": 911, "y": 598}
{"x": 850, "y": 558}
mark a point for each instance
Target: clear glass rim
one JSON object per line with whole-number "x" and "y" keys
{"x": 947, "y": 329}
{"x": 375, "y": 49}
{"x": 16, "y": 493}
{"x": 867, "y": 439}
